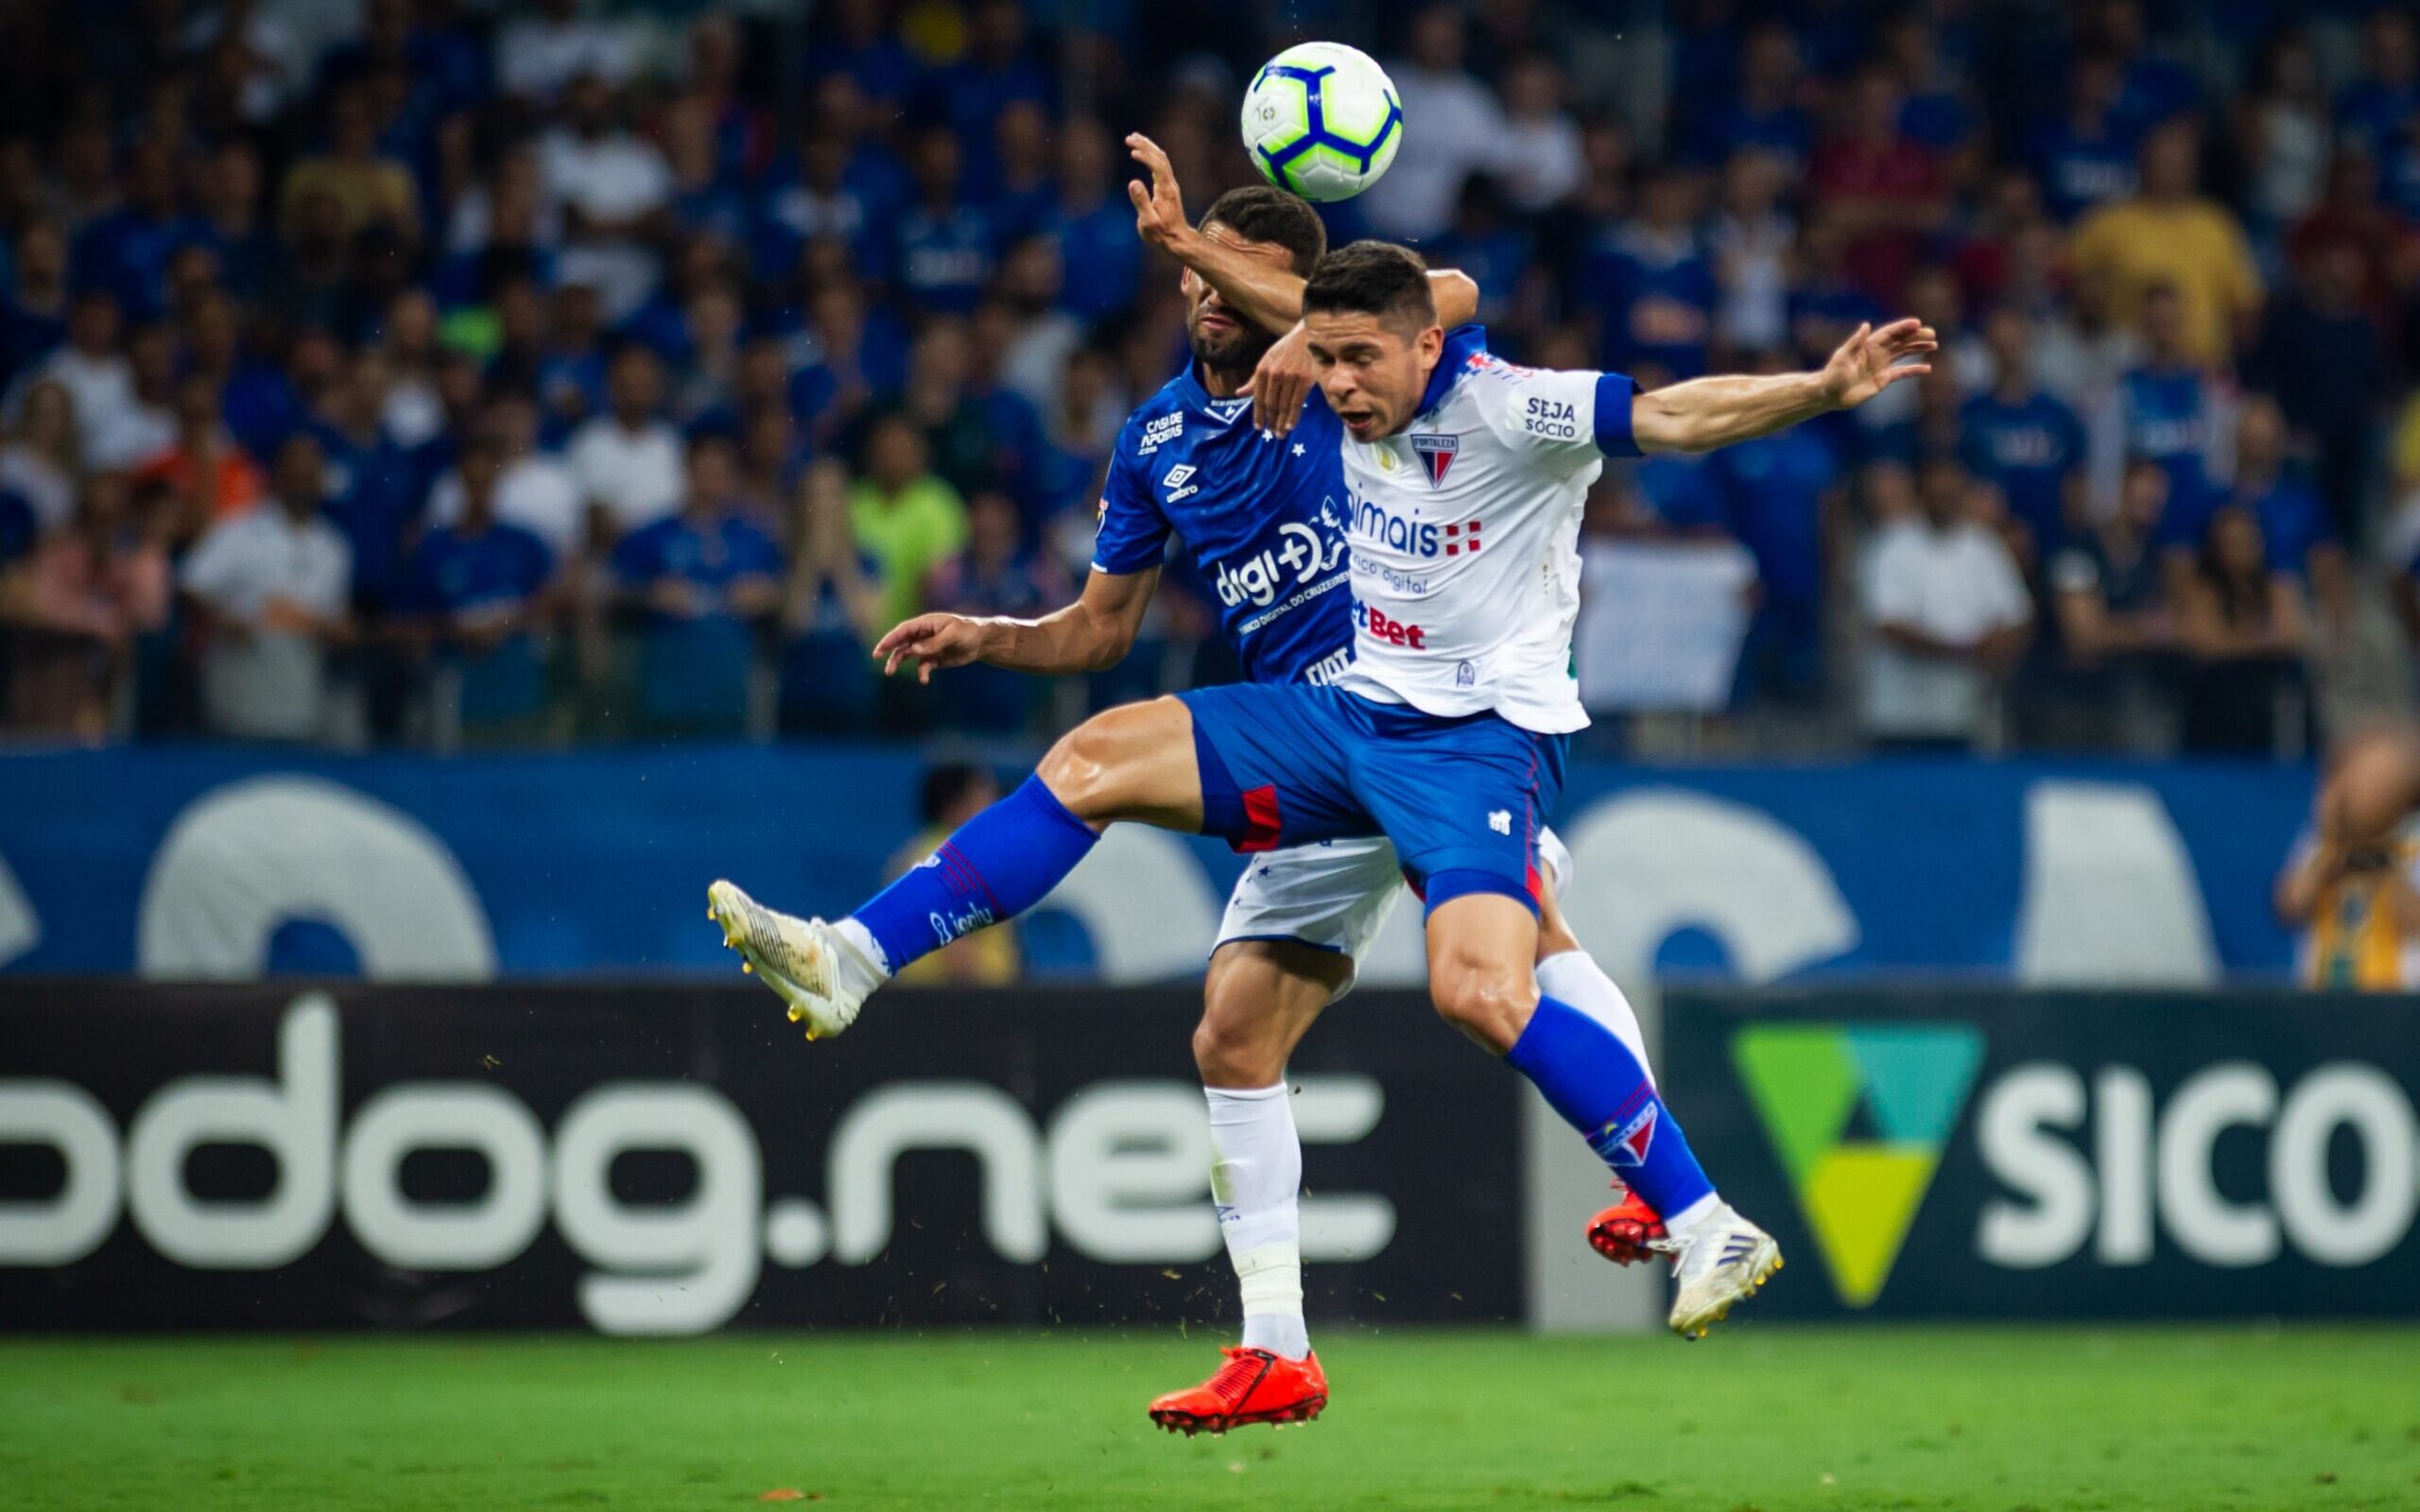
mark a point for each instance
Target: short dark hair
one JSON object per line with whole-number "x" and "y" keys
{"x": 1261, "y": 213}
{"x": 1372, "y": 278}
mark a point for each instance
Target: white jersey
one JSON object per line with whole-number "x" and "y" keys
{"x": 1465, "y": 537}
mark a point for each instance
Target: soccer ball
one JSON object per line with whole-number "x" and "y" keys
{"x": 1321, "y": 119}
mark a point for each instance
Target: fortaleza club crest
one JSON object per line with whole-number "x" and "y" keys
{"x": 1437, "y": 455}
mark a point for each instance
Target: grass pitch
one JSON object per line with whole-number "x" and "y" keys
{"x": 1770, "y": 1419}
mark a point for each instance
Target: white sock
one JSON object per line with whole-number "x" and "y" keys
{"x": 862, "y": 940}
{"x": 1257, "y": 1183}
{"x": 1575, "y": 977}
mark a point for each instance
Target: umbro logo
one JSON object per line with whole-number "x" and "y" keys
{"x": 1178, "y": 482}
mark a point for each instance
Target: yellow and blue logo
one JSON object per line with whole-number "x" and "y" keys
{"x": 1860, "y": 1114}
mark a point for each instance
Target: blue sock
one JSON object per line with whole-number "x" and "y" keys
{"x": 1591, "y": 1078}
{"x": 1000, "y": 864}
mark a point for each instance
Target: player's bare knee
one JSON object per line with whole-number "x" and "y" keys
{"x": 1229, "y": 1051}
{"x": 1238, "y": 1042}
{"x": 1080, "y": 770}
{"x": 1491, "y": 1006}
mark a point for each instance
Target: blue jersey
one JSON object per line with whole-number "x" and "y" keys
{"x": 2028, "y": 448}
{"x": 1263, "y": 516}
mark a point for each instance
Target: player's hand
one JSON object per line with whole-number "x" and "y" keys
{"x": 1282, "y": 382}
{"x": 1870, "y": 361}
{"x": 932, "y": 641}
{"x": 1159, "y": 211}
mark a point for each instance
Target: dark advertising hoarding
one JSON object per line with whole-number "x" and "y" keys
{"x": 672, "y": 1158}
{"x": 1956, "y": 1152}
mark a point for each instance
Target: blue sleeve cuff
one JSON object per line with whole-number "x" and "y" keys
{"x": 1614, "y": 392}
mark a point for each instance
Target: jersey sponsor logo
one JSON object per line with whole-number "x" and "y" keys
{"x": 1178, "y": 482}
{"x": 1328, "y": 668}
{"x": 1557, "y": 419}
{"x": 1436, "y": 453}
{"x": 1159, "y": 432}
{"x": 1379, "y": 626}
{"x": 1299, "y": 553}
{"x": 1409, "y": 537}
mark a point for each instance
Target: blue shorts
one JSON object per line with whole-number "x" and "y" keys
{"x": 1462, "y": 800}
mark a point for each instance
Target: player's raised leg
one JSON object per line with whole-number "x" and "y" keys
{"x": 1260, "y": 998}
{"x": 1625, "y": 1231}
{"x": 1132, "y": 762}
{"x": 1478, "y": 950}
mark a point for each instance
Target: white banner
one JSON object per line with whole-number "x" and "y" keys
{"x": 1661, "y": 623}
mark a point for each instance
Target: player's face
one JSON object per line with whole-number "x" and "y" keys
{"x": 1223, "y": 340}
{"x": 1372, "y": 371}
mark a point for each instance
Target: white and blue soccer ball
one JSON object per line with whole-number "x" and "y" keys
{"x": 1322, "y": 120}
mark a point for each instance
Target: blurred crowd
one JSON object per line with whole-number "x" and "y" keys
{"x": 405, "y": 372}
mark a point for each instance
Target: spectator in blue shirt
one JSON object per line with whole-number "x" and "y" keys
{"x": 993, "y": 574}
{"x": 1013, "y": 172}
{"x": 706, "y": 562}
{"x": 2085, "y": 155}
{"x": 1824, "y": 303}
{"x": 1655, "y": 283}
{"x": 33, "y": 311}
{"x": 1936, "y": 111}
{"x": 1497, "y": 253}
{"x": 2022, "y": 442}
{"x": 231, "y": 221}
{"x": 1101, "y": 259}
{"x": 126, "y": 250}
{"x": 1782, "y": 492}
{"x": 856, "y": 40}
{"x": 941, "y": 246}
{"x": 699, "y": 581}
{"x": 2295, "y": 521}
{"x": 374, "y": 485}
{"x": 1683, "y": 491}
{"x": 2167, "y": 410}
{"x": 480, "y": 582}
{"x": 2320, "y": 355}
{"x": 2371, "y": 111}
{"x": 1763, "y": 112}
{"x": 2155, "y": 87}
{"x": 996, "y": 70}
{"x": 820, "y": 203}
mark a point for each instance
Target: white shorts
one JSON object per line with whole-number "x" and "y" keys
{"x": 1336, "y": 895}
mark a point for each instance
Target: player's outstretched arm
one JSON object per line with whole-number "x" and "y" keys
{"x": 1264, "y": 293}
{"x": 1091, "y": 634}
{"x": 1705, "y": 413}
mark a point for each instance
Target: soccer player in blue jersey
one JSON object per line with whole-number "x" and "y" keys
{"x": 1461, "y": 792}
{"x": 1263, "y": 516}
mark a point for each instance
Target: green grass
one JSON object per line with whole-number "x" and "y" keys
{"x": 1768, "y": 1417}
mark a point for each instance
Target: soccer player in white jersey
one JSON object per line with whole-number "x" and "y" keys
{"x": 1447, "y": 735}
{"x": 1249, "y": 508}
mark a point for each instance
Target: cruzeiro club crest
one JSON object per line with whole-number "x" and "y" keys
{"x": 1859, "y": 1180}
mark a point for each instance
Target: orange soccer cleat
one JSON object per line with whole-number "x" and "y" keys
{"x": 1622, "y": 1232}
{"x": 1253, "y": 1386}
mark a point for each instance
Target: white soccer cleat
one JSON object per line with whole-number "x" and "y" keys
{"x": 1718, "y": 1264}
{"x": 804, "y": 960}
